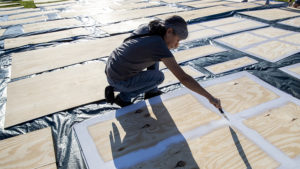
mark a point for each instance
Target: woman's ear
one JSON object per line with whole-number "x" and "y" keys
{"x": 169, "y": 30}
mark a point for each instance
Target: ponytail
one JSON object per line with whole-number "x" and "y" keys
{"x": 157, "y": 27}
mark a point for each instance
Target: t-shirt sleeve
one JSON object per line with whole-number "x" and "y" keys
{"x": 161, "y": 51}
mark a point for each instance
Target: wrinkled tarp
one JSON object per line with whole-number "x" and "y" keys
{"x": 65, "y": 144}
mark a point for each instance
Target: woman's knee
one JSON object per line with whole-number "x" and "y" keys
{"x": 160, "y": 76}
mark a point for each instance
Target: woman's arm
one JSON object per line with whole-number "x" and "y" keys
{"x": 188, "y": 81}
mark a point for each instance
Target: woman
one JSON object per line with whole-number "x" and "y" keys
{"x": 149, "y": 44}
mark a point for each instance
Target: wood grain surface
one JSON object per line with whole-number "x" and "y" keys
{"x": 238, "y": 26}
{"x": 49, "y": 166}
{"x": 29, "y": 14}
{"x": 149, "y": 125}
{"x": 281, "y": 127}
{"x": 35, "y": 61}
{"x": 241, "y": 40}
{"x": 201, "y": 34}
{"x": 54, "y": 91}
{"x": 170, "y": 78}
{"x": 230, "y": 65}
{"x": 223, "y": 148}
{"x": 295, "y": 39}
{"x": 295, "y": 22}
{"x": 274, "y": 50}
{"x": 193, "y": 53}
{"x": 295, "y": 70}
{"x": 47, "y": 37}
{"x": 271, "y": 14}
{"x": 2, "y": 31}
{"x": 201, "y": 4}
{"x": 16, "y": 11}
{"x": 271, "y": 32}
{"x": 219, "y": 22}
{"x": 241, "y": 94}
{"x": 23, "y": 21}
{"x": 56, "y": 24}
{"x": 28, "y": 151}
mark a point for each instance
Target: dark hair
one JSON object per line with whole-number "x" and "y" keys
{"x": 157, "y": 27}
{"x": 177, "y": 23}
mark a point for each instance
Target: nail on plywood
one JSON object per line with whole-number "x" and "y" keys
{"x": 35, "y": 39}
{"x": 35, "y": 61}
{"x": 230, "y": 65}
{"x": 54, "y": 91}
{"x": 285, "y": 135}
{"x": 27, "y": 151}
{"x": 148, "y": 125}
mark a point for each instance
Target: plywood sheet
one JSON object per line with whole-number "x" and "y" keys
{"x": 239, "y": 26}
{"x": 241, "y": 40}
{"x": 271, "y": 32}
{"x": 295, "y": 39}
{"x": 273, "y": 50}
{"x": 54, "y": 91}
{"x": 6, "y": 4}
{"x": 201, "y": 34}
{"x": 231, "y": 65}
{"x": 201, "y": 4}
{"x": 56, "y": 24}
{"x": 165, "y": 119}
{"x": 285, "y": 135}
{"x": 219, "y": 22}
{"x": 271, "y": 14}
{"x": 217, "y": 149}
{"x": 295, "y": 22}
{"x": 240, "y": 6}
{"x": 116, "y": 16}
{"x": 170, "y": 78}
{"x": 189, "y": 15}
{"x": 31, "y": 150}
{"x": 50, "y": 166}
{"x": 127, "y": 6}
{"x": 19, "y": 10}
{"x": 43, "y": 1}
{"x": 2, "y": 31}
{"x": 234, "y": 101}
{"x": 29, "y": 14}
{"x": 125, "y": 26}
{"x": 293, "y": 70}
{"x": 35, "y": 39}
{"x": 23, "y": 21}
{"x": 193, "y": 53}
{"x": 35, "y": 61}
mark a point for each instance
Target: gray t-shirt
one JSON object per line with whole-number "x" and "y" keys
{"x": 134, "y": 55}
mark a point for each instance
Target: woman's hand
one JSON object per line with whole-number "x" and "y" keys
{"x": 215, "y": 101}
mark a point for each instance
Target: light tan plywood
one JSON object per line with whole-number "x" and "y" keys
{"x": 50, "y": 166}
{"x": 54, "y": 91}
{"x": 271, "y": 32}
{"x": 149, "y": 125}
{"x": 189, "y": 15}
{"x": 125, "y": 26}
{"x": 241, "y": 40}
{"x": 280, "y": 126}
{"x": 241, "y": 94}
{"x": 116, "y": 16}
{"x": 47, "y": 37}
{"x": 56, "y": 24}
{"x": 175, "y": 1}
{"x": 200, "y": 4}
{"x": 230, "y": 65}
{"x": 23, "y": 21}
{"x": 240, "y": 6}
{"x": 35, "y": 61}
{"x": 201, "y": 34}
{"x": 122, "y": 6}
{"x": 2, "y": 31}
{"x": 221, "y": 148}
{"x": 43, "y": 1}
{"x": 292, "y": 22}
{"x": 29, "y": 14}
{"x": 17, "y": 11}
{"x": 6, "y": 4}
{"x": 246, "y": 24}
{"x": 194, "y": 27}
{"x": 295, "y": 70}
{"x": 295, "y": 38}
{"x": 193, "y": 53}
{"x": 27, "y": 151}
{"x": 219, "y": 22}
{"x": 170, "y": 78}
{"x": 271, "y": 14}
{"x": 273, "y": 50}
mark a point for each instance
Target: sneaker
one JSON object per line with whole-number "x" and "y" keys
{"x": 109, "y": 94}
{"x": 149, "y": 95}
{"x": 122, "y": 103}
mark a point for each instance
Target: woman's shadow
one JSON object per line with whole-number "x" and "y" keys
{"x": 145, "y": 144}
